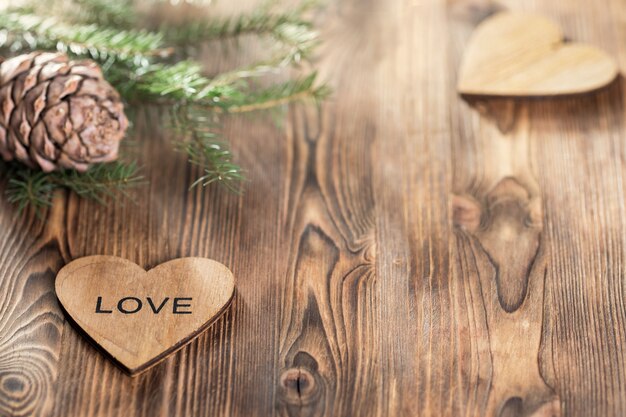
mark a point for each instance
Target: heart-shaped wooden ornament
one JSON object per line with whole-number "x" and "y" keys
{"x": 140, "y": 317}
{"x": 518, "y": 54}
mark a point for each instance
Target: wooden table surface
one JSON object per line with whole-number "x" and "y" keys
{"x": 401, "y": 252}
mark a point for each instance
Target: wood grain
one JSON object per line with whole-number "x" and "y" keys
{"x": 400, "y": 252}
{"x": 31, "y": 325}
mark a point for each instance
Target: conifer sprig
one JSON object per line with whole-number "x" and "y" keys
{"x": 116, "y": 14}
{"x": 299, "y": 89}
{"x": 22, "y": 30}
{"x": 287, "y": 28}
{"x": 142, "y": 66}
{"x": 27, "y": 187}
{"x": 199, "y": 140}
{"x": 183, "y": 82}
{"x": 119, "y": 14}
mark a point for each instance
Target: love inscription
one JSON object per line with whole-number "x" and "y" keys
{"x": 132, "y": 305}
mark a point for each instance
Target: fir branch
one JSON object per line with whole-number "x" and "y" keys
{"x": 170, "y": 84}
{"x": 204, "y": 148}
{"x": 32, "y": 188}
{"x": 282, "y": 59}
{"x": 183, "y": 82}
{"x": 21, "y": 30}
{"x": 101, "y": 180}
{"x": 29, "y": 188}
{"x": 119, "y": 14}
{"x": 300, "y": 89}
{"x": 289, "y": 27}
{"x": 104, "y": 13}
{"x": 180, "y": 82}
{"x": 294, "y": 38}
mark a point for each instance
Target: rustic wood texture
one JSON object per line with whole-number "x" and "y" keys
{"x": 139, "y": 317}
{"x": 522, "y": 54}
{"x": 400, "y": 252}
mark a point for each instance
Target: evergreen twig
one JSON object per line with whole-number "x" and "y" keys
{"x": 119, "y": 14}
{"x": 28, "y": 187}
{"x": 107, "y": 13}
{"x": 29, "y": 31}
{"x": 288, "y": 27}
{"x": 300, "y": 89}
{"x": 204, "y": 148}
{"x": 101, "y": 180}
{"x": 184, "y": 83}
{"x": 173, "y": 83}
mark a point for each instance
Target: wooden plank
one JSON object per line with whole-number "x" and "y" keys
{"x": 197, "y": 380}
{"x": 412, "y": 171}
{"x": 400, "y": 252}
{"x": 528, "y": 183}
{"x": 31, "y": 323}
{"x": 584, "y": 179}
{"x": 328, "y": 331}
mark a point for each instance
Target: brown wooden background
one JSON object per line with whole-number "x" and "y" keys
{"x": 402, "y": 252}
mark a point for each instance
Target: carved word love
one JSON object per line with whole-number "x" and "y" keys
{"x": 132, "y": 305}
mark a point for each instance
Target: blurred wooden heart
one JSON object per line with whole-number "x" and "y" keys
{"x": 140, "y": 317}
{"x": 517, "y": 54}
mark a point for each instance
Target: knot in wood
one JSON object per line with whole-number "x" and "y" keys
{"x": 298, "y": 386}
{"x": 18, "y": 390}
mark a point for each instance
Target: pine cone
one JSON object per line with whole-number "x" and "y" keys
{"x": 57, "y": 114}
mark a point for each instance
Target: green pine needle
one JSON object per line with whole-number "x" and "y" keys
{"x": 183, "y": 82}
{"x": 27, "y": 187}
{"x": 300, "y": 89}
{"x": 101, "y": 180}
{"x": 179, "y": 82}
{"x": 289, "y": 27}
{"x": 29, "y": 31}
{"x": 204, "y": 148}
{"x": 107, "y": 13}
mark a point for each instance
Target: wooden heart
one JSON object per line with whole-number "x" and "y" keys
{"x": 517, "y": 54}
{"x": 140, "y": 317}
